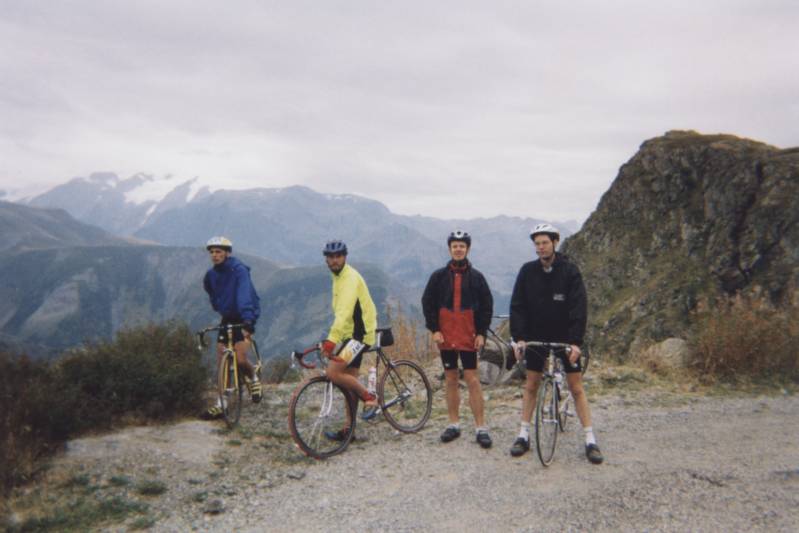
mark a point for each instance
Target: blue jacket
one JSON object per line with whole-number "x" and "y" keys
{"x": 231, "y": 291}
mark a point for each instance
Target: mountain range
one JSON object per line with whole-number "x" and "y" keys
{"x": 689, "y": 218}
{"x": 290, "y": 225}
{"x": 97, "y": 254}
{"x": 66, "y": 282}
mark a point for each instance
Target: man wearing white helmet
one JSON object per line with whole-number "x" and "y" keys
{"x": 549, "y": 305}
{"x": 233, "y": 296}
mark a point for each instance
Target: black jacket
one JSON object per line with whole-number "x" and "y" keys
{"x": 475, "y": 295}
{"x": 549, "y": 307}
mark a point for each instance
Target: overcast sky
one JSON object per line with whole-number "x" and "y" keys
{"x": 451, "y": 109}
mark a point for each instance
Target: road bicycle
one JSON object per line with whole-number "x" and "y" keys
{"x": 228, "y": 379}
{"x": 320, "y": 408}
{"x": 552, "y": 409}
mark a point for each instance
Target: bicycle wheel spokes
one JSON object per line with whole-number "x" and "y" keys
{"x": 230, "y": 391}
{"x": 564, "y": 405}
{"x": 546, "y": 421}
{"x": 405, "y": 395}
{"x": 318, "y": 409}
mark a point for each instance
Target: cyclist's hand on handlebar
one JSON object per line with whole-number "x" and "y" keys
{"x": 327, "y": 347}
{"x": 518, "y": 349}
{"x": 574, "y": 354}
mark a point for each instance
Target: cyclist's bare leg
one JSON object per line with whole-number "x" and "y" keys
{"x": 220, "y": 349}
{"x": 575, "y": 381}
{"x": 475, "y": 396}
{"x": 529, "y": 395}
{"x": 242, "y": 347}
{"x": 340, "y": 374}
{"x": 453, "y": 396}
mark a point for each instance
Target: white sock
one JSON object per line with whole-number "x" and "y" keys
{"x": 456, "y": 425}
{"x": 589, "y": 435}
{"x": 481, "y": 430}
{"x": 524, "y": 432}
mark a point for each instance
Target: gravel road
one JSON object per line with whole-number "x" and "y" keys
{"x": 673, "y": 463}
{"x": 708, "y": 465}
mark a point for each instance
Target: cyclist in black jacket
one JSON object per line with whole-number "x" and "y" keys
{"x": 549, "y": 305}
{"x": 457, "y": 307}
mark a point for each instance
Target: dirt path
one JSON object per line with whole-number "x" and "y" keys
{"x": 673, "y": 464}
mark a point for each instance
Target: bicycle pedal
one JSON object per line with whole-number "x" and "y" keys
{"x": 371, "y": 413}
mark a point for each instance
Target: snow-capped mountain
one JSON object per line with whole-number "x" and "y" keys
{"x": 289, "y": 225}
{"x": 120, "y": 206}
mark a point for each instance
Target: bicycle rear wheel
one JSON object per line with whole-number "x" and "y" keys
{"x": 546, "y": 421}
{"x": 230, "y": 390}
{"x": 493, "y": 361}
{"x": 405, "y": 396}
{"x": 318, "y": 410}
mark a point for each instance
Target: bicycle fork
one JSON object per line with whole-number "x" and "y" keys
{"x": 324, "y": 411}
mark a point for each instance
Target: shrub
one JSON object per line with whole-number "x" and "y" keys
{"x": 35, "y": 419}
{"x": 746, "y": 336}
{"x": 151, "y": 487}
{"x": 152, "y": 372}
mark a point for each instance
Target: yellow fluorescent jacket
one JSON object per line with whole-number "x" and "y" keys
{"x": 350, "y": 299}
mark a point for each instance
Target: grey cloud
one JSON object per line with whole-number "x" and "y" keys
{"x": 403, "y": 102}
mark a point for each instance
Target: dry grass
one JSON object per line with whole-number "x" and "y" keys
{"x": 746, "y": 337}
{"x": 411, "y": 339}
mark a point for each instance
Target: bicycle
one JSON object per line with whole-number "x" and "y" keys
{"x": 551, "y": 413}
{"x": 318, "y": 406}
{"x": 228, "y": 380}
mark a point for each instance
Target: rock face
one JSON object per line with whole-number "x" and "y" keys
{"x": 689, "y": 216}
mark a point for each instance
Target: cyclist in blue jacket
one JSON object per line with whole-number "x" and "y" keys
{"x": 233, "y": 296}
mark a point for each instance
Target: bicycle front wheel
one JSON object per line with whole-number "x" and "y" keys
{"x": 405, "y": 395}
{"x": 321, "y": 420}
{"x": 230, "y": 390}
{"x": 563, "y": 407}
{"x": 546, "y": 421}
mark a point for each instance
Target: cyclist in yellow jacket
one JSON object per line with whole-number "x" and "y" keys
{"x": 353, "y": 329}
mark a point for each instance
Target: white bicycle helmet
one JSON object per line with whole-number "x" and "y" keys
{"x": 459, "y": 235}
{"x": 546, "y": 229}
{"x": 219, "y": 242}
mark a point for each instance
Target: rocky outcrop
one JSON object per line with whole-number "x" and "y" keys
{"x": 689, "y": 216}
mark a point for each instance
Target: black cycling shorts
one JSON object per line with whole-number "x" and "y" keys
{"x": 449, "y": 358}
{"x": 238, "y": 336}
{"x": 536, "y": 356}
{"x": 358, "y": 359}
